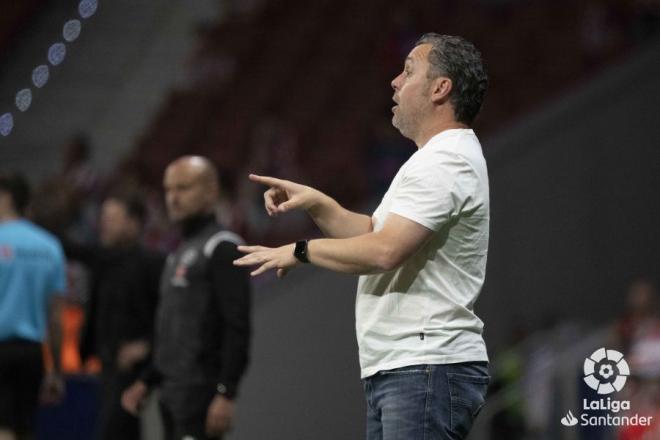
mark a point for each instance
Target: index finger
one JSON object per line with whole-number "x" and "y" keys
{"x": 270, "y": 181}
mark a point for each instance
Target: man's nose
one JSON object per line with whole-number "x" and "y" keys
{"x": 395, "y": 82}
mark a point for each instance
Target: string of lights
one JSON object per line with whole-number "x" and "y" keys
{"x": 55, "y": 56}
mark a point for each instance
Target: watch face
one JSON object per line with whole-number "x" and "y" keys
{"x": 301, "y": 251}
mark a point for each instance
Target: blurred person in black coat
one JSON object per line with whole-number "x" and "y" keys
{"x": 202, "y": 336}
{"x": 118, "y": 329}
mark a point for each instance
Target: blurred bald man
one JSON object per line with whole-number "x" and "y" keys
{"x": 203, "y": 318}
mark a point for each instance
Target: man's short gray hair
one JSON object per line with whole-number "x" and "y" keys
{"x": 458, "y": 59}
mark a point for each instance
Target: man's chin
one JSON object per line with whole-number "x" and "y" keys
{"x": 175, "y": 217}
{"x": 396, "y": 123}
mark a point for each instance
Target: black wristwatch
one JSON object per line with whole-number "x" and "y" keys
{"x": 300, "y": 252}
{"x": 223, "y": 390}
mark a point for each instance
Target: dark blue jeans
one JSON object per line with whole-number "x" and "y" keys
{"x": 425, "y": 402}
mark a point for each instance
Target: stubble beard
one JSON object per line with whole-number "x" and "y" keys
{"x": 406, "y": 123}
{"x": 409, "y": 123}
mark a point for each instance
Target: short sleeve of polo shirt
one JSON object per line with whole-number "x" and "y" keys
{"x": 427, "y": 192}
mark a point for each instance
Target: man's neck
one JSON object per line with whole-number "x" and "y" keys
{"x": 122, "y": 244}
{"x": 427, "y": 133}
{"x": 193, "y": 225}
{"x": 8, "y": 217}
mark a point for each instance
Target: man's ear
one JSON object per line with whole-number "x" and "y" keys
{"x": 441, "y": 89}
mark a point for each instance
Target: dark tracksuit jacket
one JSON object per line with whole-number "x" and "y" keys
{"x": 202, "y": 328}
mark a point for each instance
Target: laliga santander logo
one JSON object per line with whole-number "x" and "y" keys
{"x": 606, "y": 371}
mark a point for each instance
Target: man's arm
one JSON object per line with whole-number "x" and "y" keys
{"x": 136, "y": 349}
{"x": 374, "y": 252}
{"x": 52, "y": 388}
{"x": 334, "y": 220}
{"x": 231, "y": 289}
{"x": 55, "y": 307}
{"x": 135, "y": 395}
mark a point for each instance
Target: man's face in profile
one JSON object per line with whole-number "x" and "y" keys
{"x": 411, "y": 91}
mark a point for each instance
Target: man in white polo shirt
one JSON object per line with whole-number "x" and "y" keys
{"x": 421, "y": 255}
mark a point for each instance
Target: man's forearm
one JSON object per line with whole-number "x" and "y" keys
{"x": 359, "y": 255}
{"x": 55, "y": 332}
{"x": 55, "y": 344}
{"x": 336, "y": 221}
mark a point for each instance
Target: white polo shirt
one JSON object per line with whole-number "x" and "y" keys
{"x": 422, "y": 312}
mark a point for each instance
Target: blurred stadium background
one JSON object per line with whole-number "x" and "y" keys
{"x": 300, "y": 90}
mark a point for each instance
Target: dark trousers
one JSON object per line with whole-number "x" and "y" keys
{"x": 21, "y": 373}
{"x": 183, "y": 410}
{"x": 115, "y": 423}
{"x": 425, "y": 402}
